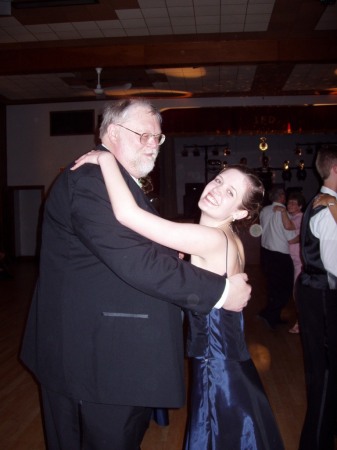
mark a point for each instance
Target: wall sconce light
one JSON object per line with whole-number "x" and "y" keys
{"x": 301, "y": 172}
{"x": 286, "y": 172}
{"x": 263, "y": 146}
{"x": 226, "y": 151}
{"x": 298, "y": 150}
{"x": 224, "y": 164}
{"x": 286, "y": 165}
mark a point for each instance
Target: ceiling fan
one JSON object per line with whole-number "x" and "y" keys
{"x": 86, "y": 88}
{"x": 101, "y": 92}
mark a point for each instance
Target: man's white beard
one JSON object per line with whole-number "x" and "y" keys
{"x": 144, "y": 167}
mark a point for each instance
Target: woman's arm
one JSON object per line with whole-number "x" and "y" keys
{"x": 296, "y": 240}
{"x": 184, "y": 237}
{"x": 329, "y": 201}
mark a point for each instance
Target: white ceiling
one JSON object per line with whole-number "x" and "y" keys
{"x": 162, "y": 18}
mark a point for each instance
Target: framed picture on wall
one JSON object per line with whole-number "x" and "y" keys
{"x": 67, "y": 123}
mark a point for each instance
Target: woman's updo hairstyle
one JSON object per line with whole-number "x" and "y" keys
{"x": 252, "y": 200}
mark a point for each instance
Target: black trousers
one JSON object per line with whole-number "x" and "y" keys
{"x": 279, "y": 271}
{"x": 317, "y": 313}
{"x": 78, "y": 425}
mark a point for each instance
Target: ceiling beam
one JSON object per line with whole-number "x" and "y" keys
{"x": 21, "y": 59}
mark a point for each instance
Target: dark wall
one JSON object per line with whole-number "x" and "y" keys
{"x": 251, "y": 120}
{"x": 3, "y": 175}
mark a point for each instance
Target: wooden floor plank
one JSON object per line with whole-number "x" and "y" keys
{"x": 277, "y": 355}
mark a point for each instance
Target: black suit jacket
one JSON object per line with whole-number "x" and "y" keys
{"x": 105, "y": 322}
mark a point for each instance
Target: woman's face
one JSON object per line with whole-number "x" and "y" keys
{"x": 222, "y": 197}
{"x": 293, "y": 207}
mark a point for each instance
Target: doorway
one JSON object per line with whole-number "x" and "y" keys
{"x": 23, "y": 219}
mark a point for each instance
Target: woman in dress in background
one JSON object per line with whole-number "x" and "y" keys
{"x": 292, "y": 220}
{"x": 229, "y": 407}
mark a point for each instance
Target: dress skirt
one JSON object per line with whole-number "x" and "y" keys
{"x": 229, "y": 409}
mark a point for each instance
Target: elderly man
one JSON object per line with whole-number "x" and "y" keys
{"x": 104, "y": 333}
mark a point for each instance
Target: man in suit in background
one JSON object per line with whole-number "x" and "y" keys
{"x": 317, "y": 307}
{"x": 104, "y": 333}
{"x": 275, "y": 257}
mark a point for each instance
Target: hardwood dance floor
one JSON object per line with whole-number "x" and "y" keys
{"x": 277, "y": 355}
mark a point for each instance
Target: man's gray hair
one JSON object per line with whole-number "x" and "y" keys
{"x": 118, "y": 112}
{"x": 275, "y": 194}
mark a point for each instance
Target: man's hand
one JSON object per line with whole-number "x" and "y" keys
{"x": 239, "y": 292}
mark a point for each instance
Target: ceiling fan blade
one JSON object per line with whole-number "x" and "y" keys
{"x": 99, "y": 91}
{"x": 122, "y": 87}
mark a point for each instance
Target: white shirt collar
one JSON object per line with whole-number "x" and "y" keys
{"x": 326, "y": 190}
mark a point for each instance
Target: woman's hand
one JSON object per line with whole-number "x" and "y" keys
{"x": 323, "y": 200}
{"x": 92, "y": 157}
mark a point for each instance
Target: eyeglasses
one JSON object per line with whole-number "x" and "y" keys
{"x": 145, "y": 137}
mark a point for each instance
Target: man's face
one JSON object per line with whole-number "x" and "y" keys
{"x": 282, "y": 198}
{"x": 137, "y": 158}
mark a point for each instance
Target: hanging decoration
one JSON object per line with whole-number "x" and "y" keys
{"x": 263, "y": 146}
{"x": 226, "y": 150}
{"x": 298, "y": 150}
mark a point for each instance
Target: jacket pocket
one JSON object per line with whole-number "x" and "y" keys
{"x": 125, "y": 315}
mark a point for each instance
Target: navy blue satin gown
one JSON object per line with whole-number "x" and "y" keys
{"x": 229, "y": 409}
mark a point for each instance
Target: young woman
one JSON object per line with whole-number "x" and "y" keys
{"x": 229, "y": 408}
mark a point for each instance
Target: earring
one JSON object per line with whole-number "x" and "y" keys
{"x": 233, "y": 218}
